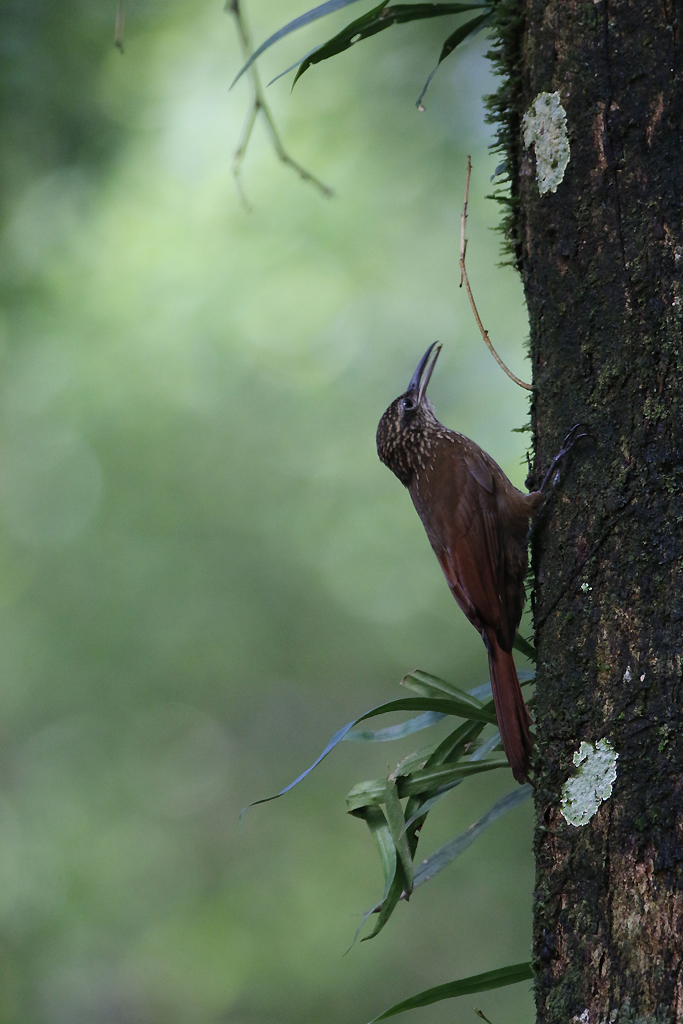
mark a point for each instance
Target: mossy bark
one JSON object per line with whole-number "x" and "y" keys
{"x": 602, "y": 264}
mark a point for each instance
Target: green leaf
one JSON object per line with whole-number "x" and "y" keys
{"x": 525, "y": 648}
{"x": 395, "y": 732}
{"x": 389, "y": 903}
{"x": 423, "y": 808}
{"x": 430, "y": 779}
{"x": 304, "y": 19}
{"x": 448, "y": 853}
{"x": 365, "y": 794}
{"x": 486, "y": 747}
{"x": 375, "y": 21}
{"x": 381, "y": 835}
{"x": 466, "y": 986}
{"x": 450, "y": 749}
{"x": 426, "y": 781}
{"x": 431, "y": 686}
{"x": 412, "y": 762}
{"x": 445, "y": 707}
{"x": 456, "y": 743}
{"x": 396, "y": 822}
{"x": 461, "y": 33}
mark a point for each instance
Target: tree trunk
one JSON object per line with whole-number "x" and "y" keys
{"x": 601, "y": 259}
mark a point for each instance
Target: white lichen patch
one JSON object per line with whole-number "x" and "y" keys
{"x": 545, "y": 125}
{"x": 592, "y": 784}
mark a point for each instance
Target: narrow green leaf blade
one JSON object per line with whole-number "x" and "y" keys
{"x": 461, "y": 33}
{"x": 448, "y": 853}
{"x": 431, "y": 686}
{"x": 430, "y": 779}
{"x": 464, "y": 987}
{"x": 381, "y": 835}
{"x": 413, "y": 813}
{"x": 365, "y": 794}
{"x": 376, "y": 20}
{"x": 425, "y": 806}
{"x": 525, "y": 648}
{"x": 413, "y": 12}
{"x": 487, "y": 747}
{"x": 395, "y": 732}
{"x": 454, "y": 745}
{"x": 304, "y": 19}
{"x": 389, "y": 904}
{"x": 396, "y": 822}
{"x": 368, "y": 25}
{"x": 445, "y": 707}
{"x": 412, "y": 762}
{"x": 424, "y": 782}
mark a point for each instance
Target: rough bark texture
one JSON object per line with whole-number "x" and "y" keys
{"x": 602, "y": 264}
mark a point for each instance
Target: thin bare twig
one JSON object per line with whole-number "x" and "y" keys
{"x": 464, "y": 280}
{"x": 119, "y": 26}
{"x": 259, "y": 106}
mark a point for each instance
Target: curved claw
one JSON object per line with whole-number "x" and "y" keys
{"x": 570, "y": 440}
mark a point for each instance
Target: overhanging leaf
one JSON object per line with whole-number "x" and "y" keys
{"x": 464, "y": 987}
{"x": 375, "y": 21}
{"x": 304, "y": 19}
{"x": 461, "y": 33}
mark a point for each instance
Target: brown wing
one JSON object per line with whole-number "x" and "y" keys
{"x": 462, "y": 521}
{"x": 462, "y": 501}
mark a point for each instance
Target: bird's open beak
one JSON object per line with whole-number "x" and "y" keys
{"x": 425, "y": 368}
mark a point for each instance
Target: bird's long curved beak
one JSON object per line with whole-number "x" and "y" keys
{"x": 423, "y": 373}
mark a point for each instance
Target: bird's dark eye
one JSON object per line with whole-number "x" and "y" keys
{"x": 408, "y": 404}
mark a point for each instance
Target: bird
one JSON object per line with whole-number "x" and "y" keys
{"x": 477, "y": 523}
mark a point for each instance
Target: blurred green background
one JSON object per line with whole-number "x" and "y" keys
{"x": 204, "y": 569}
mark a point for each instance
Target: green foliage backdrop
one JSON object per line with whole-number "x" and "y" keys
{"x": 204, "y": 570}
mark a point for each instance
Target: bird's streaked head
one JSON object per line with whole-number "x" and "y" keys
{"x": 404, "y": 431}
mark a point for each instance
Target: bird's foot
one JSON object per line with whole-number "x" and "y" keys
{"x": 578, "y": 431}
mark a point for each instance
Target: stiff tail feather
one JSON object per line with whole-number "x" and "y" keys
{"x": 512, "y": 713}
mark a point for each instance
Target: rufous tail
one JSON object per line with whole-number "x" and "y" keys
{"x": 513, "y": 717}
